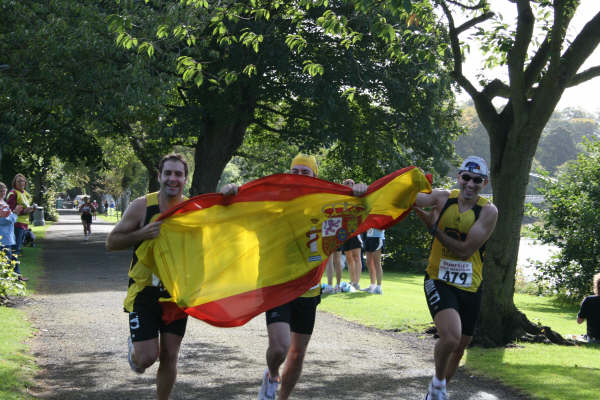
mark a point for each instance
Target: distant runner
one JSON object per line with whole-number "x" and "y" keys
{"x": 86, "y": 210}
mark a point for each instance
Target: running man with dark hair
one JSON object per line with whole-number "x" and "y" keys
{"x": 150, "y": 338}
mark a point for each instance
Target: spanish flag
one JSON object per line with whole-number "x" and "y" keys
{"x": 226, "y": 259}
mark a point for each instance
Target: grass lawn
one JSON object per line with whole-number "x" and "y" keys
{"x": 547, "y": 372}
{"x": 110, "y": 218}
{"x": 17, "y": 367}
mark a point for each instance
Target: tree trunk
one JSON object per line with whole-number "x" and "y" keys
{"x": 500, "y": 321}
{"x": 214, "y": 150}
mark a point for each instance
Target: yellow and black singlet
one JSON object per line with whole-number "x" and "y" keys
{"x": 445, "y": 265}
{"x": 141, "y": 277}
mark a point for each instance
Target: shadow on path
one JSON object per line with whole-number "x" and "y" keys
{"x": 80, "y": 342}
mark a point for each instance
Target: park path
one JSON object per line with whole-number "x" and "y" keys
{"x": 80, "y": 344}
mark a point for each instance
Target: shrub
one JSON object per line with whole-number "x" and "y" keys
{"x": 9, "y": 280}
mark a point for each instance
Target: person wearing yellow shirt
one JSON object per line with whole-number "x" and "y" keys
{"x": 150, "y": 338}
{"x": 290, "y": 325}
{"x": 460, "y": 221}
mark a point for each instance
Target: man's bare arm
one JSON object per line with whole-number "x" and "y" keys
{"x": 478, "y": 234}
{"x": 129, "y": 231}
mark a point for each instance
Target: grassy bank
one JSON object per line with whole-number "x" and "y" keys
{"x": 548, "y": 372}
{"x": 17, "y": 367}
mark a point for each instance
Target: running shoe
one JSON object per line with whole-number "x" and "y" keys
{"x": 436, "y": 393}
{"x": 377, "y": 290}
{"x": 328, "y": 290}
{"x": 132, "y": 365}
{"x": 268, "y": 388}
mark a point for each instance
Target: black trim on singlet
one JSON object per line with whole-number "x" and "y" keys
{"x": 150, "y": 212}
{"x": 476, "y": 210}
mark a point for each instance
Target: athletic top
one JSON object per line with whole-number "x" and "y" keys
{"x": 378, "y": 233}
{"x": 86, "y": 208}
{"x": 16, "y": 197}
{"x": 443, "y": 264}
{"x": 590, "y": 311}
{"x": 140, "y": 276}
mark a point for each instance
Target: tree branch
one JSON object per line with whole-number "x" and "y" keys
{"x": 485, "y": 109}
{"x": 496, "y": 88}
{"x": 266, "y": 127}
{"x": 581, "y": 48}
{"x": 480, "y": 5}
{"x": 538, "y": 62}
{"x": 456, "y": 54}
{"x": 274, "y": 111}
{"x": 584, "y": 76}
{"x": 517, "y": 56}
{"x": 471, "y": 23}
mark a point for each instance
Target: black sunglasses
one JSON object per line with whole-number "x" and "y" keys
{"x": 476, "y": 179}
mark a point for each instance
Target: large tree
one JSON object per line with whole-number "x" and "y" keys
{"x": 538, "y": 75}
{"x": 275, "y": 70}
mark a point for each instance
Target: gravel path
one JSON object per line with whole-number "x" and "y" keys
{"x": 80, "y": 344}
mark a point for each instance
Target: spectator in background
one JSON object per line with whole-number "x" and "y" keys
{"x": 95, "y": 205}
{"x": 7, "y": 226}
{"x": 334, "y": 262}
{"x": 373, "y": 249}
{"x": 352, "y": 248}
{"x": 18, "y": 196}
{"x": 590, "y": 311}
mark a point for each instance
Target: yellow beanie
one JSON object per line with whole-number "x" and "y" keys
{"x": 305, "y": 159}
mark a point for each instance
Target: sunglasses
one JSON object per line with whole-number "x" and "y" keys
{"x": 476, "y": 179}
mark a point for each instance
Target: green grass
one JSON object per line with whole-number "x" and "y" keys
{"x": 401, "y": 307}
{"x": 31, "y": 261}
{"x": 548, "y": 372}
{"x": 114, "y": 218}
{"x": 17, "y": 366}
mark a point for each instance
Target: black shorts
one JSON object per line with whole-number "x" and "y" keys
{"x": 352, "y": 243}
{"x": 373, "y": 244}
{"x": 86, "y": 218}
{"x": 145, "y": 321}
{"x": 440, "y": 296}
{"x": 299, "y": 314}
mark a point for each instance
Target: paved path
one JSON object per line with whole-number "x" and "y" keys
{"x": 81, "y": 342}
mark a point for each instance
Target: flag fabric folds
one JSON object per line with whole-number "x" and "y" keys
{"x": 226, "y": 259}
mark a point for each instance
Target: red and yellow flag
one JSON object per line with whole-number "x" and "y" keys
{"x": 226, "y": 259}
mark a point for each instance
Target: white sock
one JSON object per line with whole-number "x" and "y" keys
{"x": 437, "y": 383}
{"x": 371, "y": 286}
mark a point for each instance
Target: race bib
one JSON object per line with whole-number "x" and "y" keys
{"x": 456, "y": 272}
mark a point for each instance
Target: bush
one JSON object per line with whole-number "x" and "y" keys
{"x": 9, "y": 280}
{"x": 570, "y": 222}
{"x": 407, "y": 245}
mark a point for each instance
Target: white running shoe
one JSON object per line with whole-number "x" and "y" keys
{"x": 436, "y": 393}
{"x": 268, "y": 388}
{"x": 377, "y": 290}
{"x": 132, "y": 365}
{"x": 328, "y": 290}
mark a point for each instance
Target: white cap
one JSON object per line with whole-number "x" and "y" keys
{"x": 474, "y": 164}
